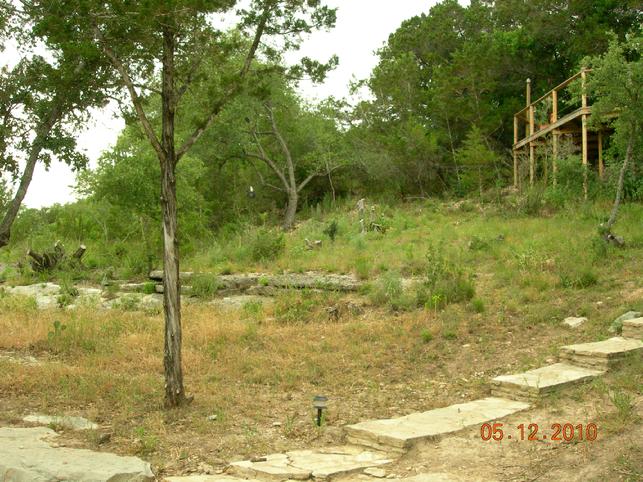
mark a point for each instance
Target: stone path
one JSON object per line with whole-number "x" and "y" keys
{"x": 315, "y": 464}
{"x": 30, "y": 454}
{"x": 602, "y": 355}
{"x": 633, "y": 329}
{"x": 72, "y": 423}
{"x": 532, "y": 384}
{"x": 399, "y": 434}
{"x": 388, "y": 439}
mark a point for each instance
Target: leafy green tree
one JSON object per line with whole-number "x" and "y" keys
{"x": 296, "y": 143}
{"x": 137, "y": 38}
{"x": 42, "y": 102}
{"x": 614, "y": 86}
{"x": 458, "y": 66}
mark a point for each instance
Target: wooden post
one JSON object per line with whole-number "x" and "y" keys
{"x": 515, "y": 153}
{"x": 601, "y": 168}
{"x": 554, "y": 143}
{"x": 554, "y": 106}
{"x": 528, "y": 97}
{"x": 554, "y": 159}
{"x": 532, "y": 148}
{"x": 584, "y": 134}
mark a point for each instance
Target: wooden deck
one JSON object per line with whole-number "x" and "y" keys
{"x": 552, "y": 127}
{"x": 574, "y": 124}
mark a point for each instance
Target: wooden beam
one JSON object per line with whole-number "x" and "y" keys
{"x": 556, "y": 125}
{"x": 554, "y": 106}
{"x": 532, "y": 147}
{"x": 554, "y": 157}
{"x": 529, "y": 106}
{"x": 515, "y": 153}
{"x": 585, "y": 156}
{"x": 583, "y": 76}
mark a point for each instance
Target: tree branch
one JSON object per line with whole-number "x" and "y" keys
{"x": 284, "y": 146}
{"x": 136, "y": 100}
{"x": 218, "y": 106}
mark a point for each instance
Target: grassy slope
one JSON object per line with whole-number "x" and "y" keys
{"x": 251, "y": 369}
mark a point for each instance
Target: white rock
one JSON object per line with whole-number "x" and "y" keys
{"x": 72, "y": 423}
{"x": 375, "y": 472}
{"x": 27, "y": 455}
{"x": 574, "y": 322}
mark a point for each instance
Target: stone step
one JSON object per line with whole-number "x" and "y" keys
{"x": 633, "y": 329}
{"x": 399, "y": 434}
{"x": 307, "y": 464}
{"x": 33, "y": 454}
{"x": 532, "y": 384}
{"x": 601, "y": 355}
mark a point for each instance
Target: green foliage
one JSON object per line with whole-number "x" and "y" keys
{"x": 445, "y": 282}
{"x": 426, "y": 336}
{"x": 388, "y": 291}
{"x": 267, "y": 245}
{"x": 332, "y": 230}
{"x": 204, "y": 285}
{"x": 579, "y": 278}
{"x": 68, "y": 293}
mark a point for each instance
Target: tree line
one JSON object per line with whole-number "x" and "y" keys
{"x": 216, "y": 131}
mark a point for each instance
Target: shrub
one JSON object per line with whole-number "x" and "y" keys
{"x": 426, "y": 336}
{"x": 204, "y": 285}
{"x": 267, "y": 245}
{"x": 363, "y": 268}
{"x": 583, "y": 278}
{"x": 388, "y": 291}
{"x": 331, "y": 230}
{"x": 445, "y": 281}
{"x": 478, "y": 305}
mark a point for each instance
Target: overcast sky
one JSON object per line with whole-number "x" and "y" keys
{"x": 363, "y": 26}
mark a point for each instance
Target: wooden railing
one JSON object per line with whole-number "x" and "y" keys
{"x": 549, "y": 103}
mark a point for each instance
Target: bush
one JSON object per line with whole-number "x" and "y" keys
{"x": 388, "y": 291}
{"x": 204, "y": 285}
{"x": 445, "y": 281}
{"x": 582, "y": 278}
{"x": 267, "y": 245}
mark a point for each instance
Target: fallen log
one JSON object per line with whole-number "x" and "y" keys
{"x": 51, "y": 260}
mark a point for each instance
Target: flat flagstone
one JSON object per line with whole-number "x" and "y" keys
{"x": 533, "y": 383}
{"x": 207, "y": 478}
{"x": 26, "y": 454}
{"x": 633, "y": 329}
{"x": 306, "y": 464}
{"x": 398, "y": 434}
{"x": 72, "y": 423}
{"x": 601, "y": 355}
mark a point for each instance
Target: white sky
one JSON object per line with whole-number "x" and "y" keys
{"x": 363, "y": 26}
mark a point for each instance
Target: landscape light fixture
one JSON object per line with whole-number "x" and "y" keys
{"x": 319, "y": 402}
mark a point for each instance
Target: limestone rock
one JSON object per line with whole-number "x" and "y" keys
{"x": 574, "y": 322}
{"x": 72, "y": 423}
{"x": 27, "y": 455}
{"x": 399, "y": 434}
{"x": 633, "y": 329}
{"x": 305, "y": 464}
{"x": 617, "y": 324}
{"x": 602, "y": 355}
{"x": 375, "y": 472}
{"x": 532, "y": 384}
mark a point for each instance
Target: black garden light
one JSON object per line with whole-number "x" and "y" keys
{"x": 319, "y": 402}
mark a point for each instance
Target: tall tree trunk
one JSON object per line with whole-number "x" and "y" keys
{"x": 621, "y": 179}
{"x": 291, "y": 209}
{"x": 27, "y": 174}
{"x": 174, "y": 391}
